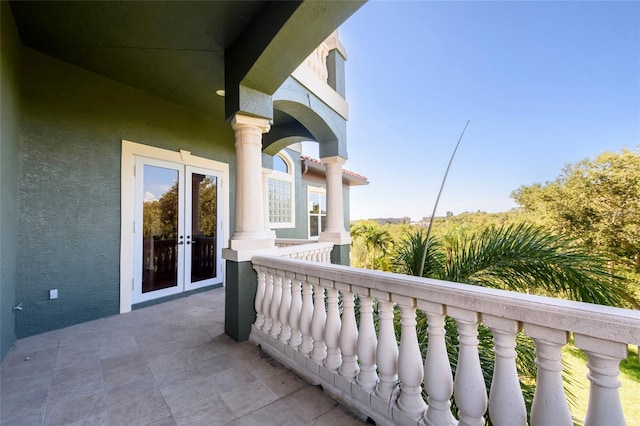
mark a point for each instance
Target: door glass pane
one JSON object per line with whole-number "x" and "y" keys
{"x": 160, "y": 229}
{"x": 313, "y": 226}
{"x": 204, "y": 223}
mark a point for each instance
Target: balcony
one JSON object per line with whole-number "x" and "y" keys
{"x": 172, "y": 363}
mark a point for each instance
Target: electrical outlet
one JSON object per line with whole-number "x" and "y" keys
{"x": 53, "y": 293}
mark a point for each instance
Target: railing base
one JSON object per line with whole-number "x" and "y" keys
{"x": 345, "y": 392}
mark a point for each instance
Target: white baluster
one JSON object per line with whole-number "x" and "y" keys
{"x": 468, "y": 387}
{"x": 550, "y": 402}
{"x": 318, "y": 320}
{"x": 332, "y": 331}
{"x": 410, "y": 367}
{"x": 387, "y": 352}
{"x": 306, "y": 345}
{"x": 438, "y": 379}
{"x": 367, "y": 343}
{"x": 294, "y": 313}
{"x": 262, "y": 277}
{"x": 285, "y": 306}
{"x": 506, "y": 404}
{"x": 266, "y": 303}
{"x": 603, "y": 361}
{"x": 275, "y": 305}
{"x": 348, "y": 337}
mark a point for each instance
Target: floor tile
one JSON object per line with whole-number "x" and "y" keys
{"x": 168, "y": 364}
{"x": 275, "y": 414}
{"x": 89, "y": 409}
{"x": 310, "y": 403}
{"x": 249, "y": 397}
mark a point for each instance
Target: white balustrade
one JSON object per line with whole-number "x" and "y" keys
{"x": 387, "y": 352}
{"x": 274, "y": 309}
{"x": 285, "y": 307}
{"x": 332, "y": 331}
{"x": 306, "y": 345}
{"x": 506, "y": 403}
{"x": 550, "y": 402}
{"x": 297, "y": 313}
{"x": 319, "y": 352}
{"x": 266, "y": 303}
{"x": 468, "y": 385}
{"x": 366, "y": 344}
{"x": 603, "y": 359}
{"x": 410, "y": 369}
{"x": 262, "y": 277}
{"x": 348, "y": 337}
{"x": 438, "y": 380}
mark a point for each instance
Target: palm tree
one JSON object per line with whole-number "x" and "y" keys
{"x": 376, "y": 240}
{"x": 518, "y": 257}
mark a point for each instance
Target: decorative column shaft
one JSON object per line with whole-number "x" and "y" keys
{"x": 506, "y": 404}
{"x": 285, "y": 306}
{"x": 550, "y": 401}
{"x": 334, "y": 230}
{"x": 262, "y": 278}
{"x": 306, "y": 314}
{"x": 603, "y": 361}
{"x": 468, "y": 386}
{"x": 266, "y": 302}
{"x": 276, "y": 298}
{"x": 249, "y": 211}
{"x": 294, "y": 313}
{"x": 438, "y": 380}
{"x": 367, "y": 344}
{"x": 318, "y": 320}
{"x": 410, "y": 366}
{"x": 332, "y": 331}
{"x": 387, "y": 352}
{"x": 348, "y": 337}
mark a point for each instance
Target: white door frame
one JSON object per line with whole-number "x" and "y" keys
{"x": 130, "y": 151}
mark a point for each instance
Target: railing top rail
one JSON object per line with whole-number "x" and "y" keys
{"x": 605, "y": 322}
{"x": 298, "y": 248}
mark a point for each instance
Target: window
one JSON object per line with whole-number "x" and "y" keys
{"x": 280, "y": 188}
{"x": 317, "y": 211}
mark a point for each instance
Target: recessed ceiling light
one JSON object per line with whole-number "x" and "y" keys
{"x": 220, "y": 92}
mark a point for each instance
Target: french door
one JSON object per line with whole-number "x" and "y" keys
{"x": 177, "y": 229}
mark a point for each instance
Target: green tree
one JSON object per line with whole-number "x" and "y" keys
{"x": 598, "y": 203}
{"x": 208, "y": 193}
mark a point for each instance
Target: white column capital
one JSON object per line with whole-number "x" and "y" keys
{"x": 336, "y": 159}
{"x": 245, "y": 121}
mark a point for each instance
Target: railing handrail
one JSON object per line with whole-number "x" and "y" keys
{"x": 301, "y": 248}
{"x": 605, "y": 322}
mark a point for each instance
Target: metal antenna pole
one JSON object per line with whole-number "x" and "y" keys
{"x": 433, "y": 214}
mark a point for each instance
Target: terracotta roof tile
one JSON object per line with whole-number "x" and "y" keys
{"x": 344, "y": 171}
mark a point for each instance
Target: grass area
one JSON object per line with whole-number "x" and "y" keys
{"x": 629, "y": 377}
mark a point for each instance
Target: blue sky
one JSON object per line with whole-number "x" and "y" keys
{"x": 543, "y": 83}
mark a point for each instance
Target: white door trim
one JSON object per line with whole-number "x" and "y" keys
{"x": 130, "y": 151}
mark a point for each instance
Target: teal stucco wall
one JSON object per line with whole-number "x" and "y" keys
{"x": 69, "y": 187}
{"x": 302, "y": 217}
{"x": 9, "y": 148}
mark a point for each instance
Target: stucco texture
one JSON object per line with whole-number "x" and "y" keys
{"x": 69, "y": 188}
{"x": 9, "y": 148}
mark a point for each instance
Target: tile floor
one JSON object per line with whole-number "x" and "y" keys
{"x": 168, "y": 364}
